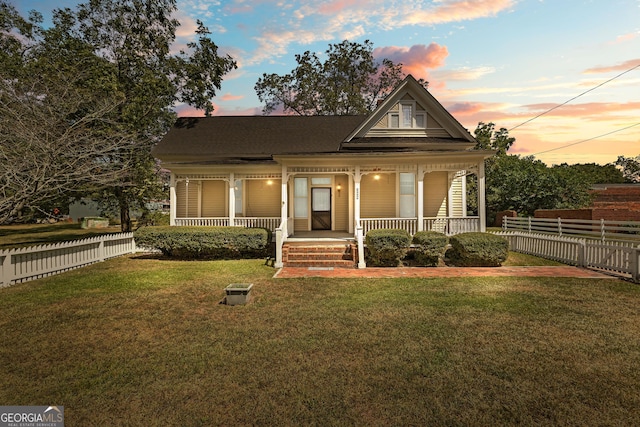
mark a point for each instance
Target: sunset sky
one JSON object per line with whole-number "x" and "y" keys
{"x": 501, "y": 61}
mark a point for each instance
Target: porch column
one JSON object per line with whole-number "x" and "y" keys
{"x": 173, "y": 199}
{"x": 356, "y": 196}
{"x": 482, "y": 206}
{"x": 420, "y": 198}
{"x": 232, "y": 199}
{"x": 284, "y": 213}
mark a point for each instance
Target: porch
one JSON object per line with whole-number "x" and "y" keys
{"x": 445, "y": 225}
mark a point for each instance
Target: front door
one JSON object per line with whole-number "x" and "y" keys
{"x": 320, "y": 208}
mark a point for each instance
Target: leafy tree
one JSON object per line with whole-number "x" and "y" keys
{"x": 119, "y": 52}
{"x": 591, "y": 173}
{"x": 348, "y": 82}
{"x": 524, "y": 184}
{"x": 630, "y": 168}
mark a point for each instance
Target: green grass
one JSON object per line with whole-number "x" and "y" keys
{"x": 12, "y": 236}
{"x": 142, "y": 341}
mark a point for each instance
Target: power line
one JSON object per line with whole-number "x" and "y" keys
{"x": 586, "y": 140}
{"x": 575, "y": 97}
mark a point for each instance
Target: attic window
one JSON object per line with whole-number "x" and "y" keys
{"x": 407, "y": 117}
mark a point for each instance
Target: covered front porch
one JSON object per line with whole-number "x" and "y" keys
{"x": 353, "y": 200}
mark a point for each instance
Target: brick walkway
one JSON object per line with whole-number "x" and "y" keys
{"x": 373, "y": 272}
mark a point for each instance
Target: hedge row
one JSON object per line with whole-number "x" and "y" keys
{"x": 388, "y": 247}
{"x": 205, "y": 242}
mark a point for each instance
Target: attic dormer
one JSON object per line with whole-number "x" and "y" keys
{"x": 410, "y": 111}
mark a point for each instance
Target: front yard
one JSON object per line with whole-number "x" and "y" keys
{"x": 142, "y": 341}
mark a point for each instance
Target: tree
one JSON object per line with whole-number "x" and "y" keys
{"x": 56, "y": 134}
{"x": 524, "y": 184}
{"x": 348, "y": 82}
{"x": 128, "y": 43}
{"x": 630, "y": 168}
{"x": 591, "y": 172}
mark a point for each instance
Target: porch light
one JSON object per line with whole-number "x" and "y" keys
{"x": 339, "y": 187}
{"x": 376, "y": 177}
{"x": 269, "y": 182}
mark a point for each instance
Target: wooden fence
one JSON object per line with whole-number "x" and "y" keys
{"x": 23, "y": 264}
{"x": 616, "y": 256}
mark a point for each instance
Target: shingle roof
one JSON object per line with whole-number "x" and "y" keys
{"x": 208, "y": 138}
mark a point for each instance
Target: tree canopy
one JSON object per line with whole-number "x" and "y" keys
{"x": 348, "y": 82}
{"x": 524, "y": 184}
{"x": 90, "y": 95}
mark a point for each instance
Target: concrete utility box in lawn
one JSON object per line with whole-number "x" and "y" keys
{"x": 238, "y": 293}
{"x": 94, "y": 222}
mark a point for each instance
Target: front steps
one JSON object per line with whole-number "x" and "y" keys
{"x": 319, "y": 254}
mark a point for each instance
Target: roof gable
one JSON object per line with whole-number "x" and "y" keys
{"x": 429, "y": 119}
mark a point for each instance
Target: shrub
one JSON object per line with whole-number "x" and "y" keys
{"x": 386, "y": 247}
{"x": 428, "y": 247}
{"x": 205, "y": 242}
{"x": 149, "y": 219}
{"x": 477, "y": 250}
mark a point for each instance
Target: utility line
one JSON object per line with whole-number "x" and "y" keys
{"x": 585, "y": 140}
{"x": 575, "y": 97}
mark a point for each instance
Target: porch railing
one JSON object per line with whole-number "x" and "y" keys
{"x": 270, "y": 223}
{"x": 446, "y": 225}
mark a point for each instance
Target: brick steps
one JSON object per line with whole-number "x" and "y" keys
{"x": 318, "y": 255}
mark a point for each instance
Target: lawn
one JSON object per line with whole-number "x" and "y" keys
{"x": 143, "y": 341}
{"x": 12, "y": 236}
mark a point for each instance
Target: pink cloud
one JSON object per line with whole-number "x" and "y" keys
{"x": 618, "y": 67}
{"x": 229, "y": 97}
{"x": 415, "y": 60}
{"x": 452, "y": 11}
{"x": 336, "y": 6}
{"x": 589, "y": 111}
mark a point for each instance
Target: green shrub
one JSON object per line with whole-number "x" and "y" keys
{"x": 477, "y": 250}
{"x": 205, "y": 242}
{"x": 386, "y": 247}
{"x": 149, "y": 219}
{"x": 428, "y": 247}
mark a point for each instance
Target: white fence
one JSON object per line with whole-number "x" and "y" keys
{"x": 23, "y": 264}
{"x": 612, "y": 255}
{"x": 602, "y": 229}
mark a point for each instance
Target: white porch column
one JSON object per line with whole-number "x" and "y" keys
{"x": 232, "y": 199}
{"x": 284, "y": 213}
{"x": 482, "y": 205}
{"x": 356, "y": 196}
{"x": 420, "y": 198}
{"x": 173, "y": 200}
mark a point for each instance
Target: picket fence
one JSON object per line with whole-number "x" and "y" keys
{"x": 616, "y": 256}
{"x": 23, "y": 264}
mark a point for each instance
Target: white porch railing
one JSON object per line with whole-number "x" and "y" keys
{"x": 446, "y": 225}
{"x": 409, "y": 224}
{"x": 23, "y": 264}
{"x": 612, "y": 255}
{"x": 203, "y": 222}
{"x": 270, "y": 223}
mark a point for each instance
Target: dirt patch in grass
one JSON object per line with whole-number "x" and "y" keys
{"x": 145, "y": 342}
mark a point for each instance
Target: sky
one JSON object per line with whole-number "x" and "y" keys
{"x": 563, "y": 76}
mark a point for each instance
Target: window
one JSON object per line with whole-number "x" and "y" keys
{"x": 407, "y": 115}
{"x": 320, "y": 181}
{"x": 237, "y": 187}
{"x": 394, "y": 120}
{"x": 300, "y": 198}
{"x": 407, "y": 195}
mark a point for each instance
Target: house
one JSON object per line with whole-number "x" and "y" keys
{"x": 402, "y": 166}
